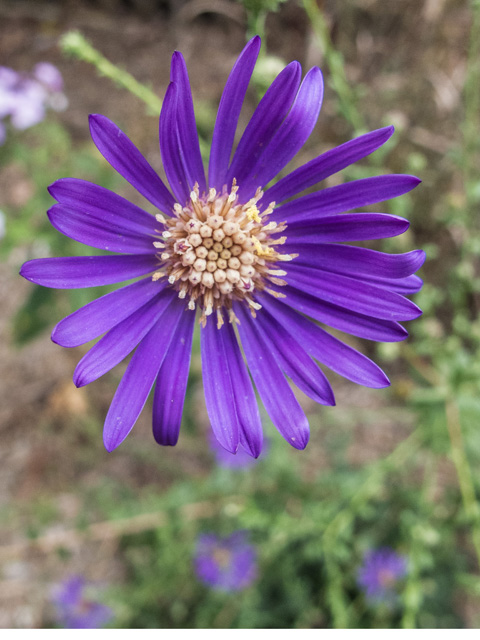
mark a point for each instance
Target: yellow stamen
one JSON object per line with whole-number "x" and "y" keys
{"x": 261, "y": 249}
{"x": 275, "y": 294}
{"x": 252, "y": 213}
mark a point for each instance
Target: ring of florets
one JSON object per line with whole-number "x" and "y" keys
{"x": 215, "y": 250}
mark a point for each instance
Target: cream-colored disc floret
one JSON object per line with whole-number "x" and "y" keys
{"x": 215, "y": 250}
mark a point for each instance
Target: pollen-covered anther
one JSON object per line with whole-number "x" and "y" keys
{"x": 217, "y": 250}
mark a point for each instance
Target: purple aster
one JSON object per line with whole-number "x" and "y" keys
{"x": 381, "y": 570}
{"x": 25, "y": 97}
{"x": 225, "y": 564}
{"x": 258, "y": 267}
{"x": 74, "y": 610}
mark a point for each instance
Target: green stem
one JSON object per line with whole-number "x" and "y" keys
{"x": 74, "y": 44}
{"x": 344, "y": 518}
{"x": 334, "y": 60}
{"x": 413, "y": 595}
{"x": 472, "y": 104}
{"x": 367, "y": 489}
{"x": 464, "y": 472}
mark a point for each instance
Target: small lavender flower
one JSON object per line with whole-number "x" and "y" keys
{"x": 225, "y": 564}
{"x": 28, "y": 104}
{"x": 380, "y": 572}
{"x": 74, "y": 610}
{"x": 267, "y": 259}
{"x": 25, "y": 97}
{"x": 48, "y": 75}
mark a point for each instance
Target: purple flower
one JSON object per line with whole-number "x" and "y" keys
{"x": 225, "y": 564}
{"x": 239, "y": 460}
{"x": 381, "y": 570}
{"x": 48, "y": 75}
{"x": 74, "y": 610}
{"x": 258, "y": 274}
{"x": 25, "y": 98}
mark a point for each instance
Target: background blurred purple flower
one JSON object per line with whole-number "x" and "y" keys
{"x": 381, "y": 570}
{"x": 48, "y": 75}
{"x": 75, "y": 610}
{"x": 225, "y": 564}
{"x": 240, "y": 460}
{"x": 25, "y": 97}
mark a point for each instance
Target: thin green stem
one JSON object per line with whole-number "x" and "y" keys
{"x": 335, "y": 63}
{"x": 472, "y": 103}
{"x": 73, "y": 43}
{"x": 464, "y": 472}
{"x": 427, "y": 372}
{"x": 413, "y": 595}
{"x": 345, "y": 517}
{"x": 373, "y": 483}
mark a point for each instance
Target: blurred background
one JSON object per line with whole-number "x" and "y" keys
{"x": 376, "y": 524}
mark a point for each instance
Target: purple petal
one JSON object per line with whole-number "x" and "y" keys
{"x": 267, "y": 118}
{"x": 79, "y": 272}
{"x": 342, "y": 319}
{"x": 187, "y": 128}
{"x": 344, "y": 197}
{"x": 125, "y": 158}
{"x": 170, "y": 146}
{"x": 228, "y": 113}
{"x": 325, "y": 348}
{"x": 405, "y": 286}
{"x": 134, "y": 387}
{"x": 120, "y": 341}
{"x": 291, "y": 136}
{"x": 218, "y": 388}
{"x": 275, "y": 392}
{"x": 294, "y": 361}
{"x": 246, "y": 407}
{"x": 102, "y": 314}
{"x": 350, "y": 293}
{"x": 98, "y": 202}
{"x": 99, "y": 232}
{"x": 356, "y": 261}
{"x": 327, "y": 164}
{"x": 171, "y": 384}
{"x": 346, "y": 227}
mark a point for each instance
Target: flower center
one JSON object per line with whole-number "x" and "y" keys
{"x": 222, "y": 557}
{"x": 216, "y": 250}
{"x": 386, "y": 578}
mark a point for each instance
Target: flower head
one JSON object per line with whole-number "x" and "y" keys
{"x": 25, "y": 97}
{"x": 49, "y": 76}
{"x": 225, "y": 564}
{"x": 381, "y": 570}
{"x": 257, "y": 268}
{"x": 74, "y": 610}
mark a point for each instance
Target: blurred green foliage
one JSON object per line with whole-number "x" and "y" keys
{"x": 43, "y": 155}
